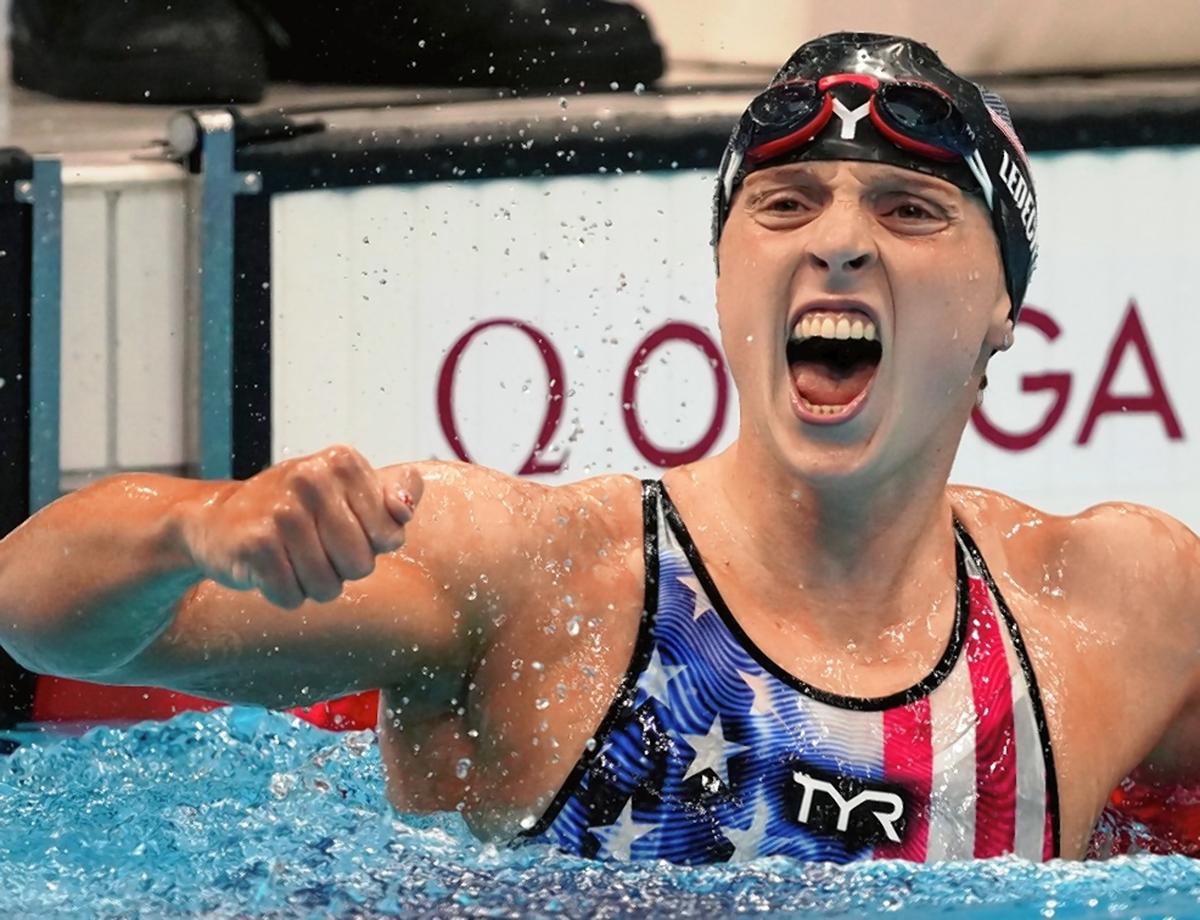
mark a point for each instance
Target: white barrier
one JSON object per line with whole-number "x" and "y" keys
{"x": 575, "y": 314}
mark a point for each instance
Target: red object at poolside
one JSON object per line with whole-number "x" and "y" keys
{"x": 1147, "y": 817}
{"x": 58, "y": 699}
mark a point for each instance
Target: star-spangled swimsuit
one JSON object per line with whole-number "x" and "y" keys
{"x": 712, "y": 752}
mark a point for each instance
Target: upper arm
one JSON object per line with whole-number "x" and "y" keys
{"x": 1147, "y": 564}
{"x": 418, "y": 620}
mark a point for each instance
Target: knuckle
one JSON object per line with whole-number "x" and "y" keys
{"x": 286, "y": 516}
{"x": 309, "y": 477}
{"x": 343, "y": 460}
{"x": 327, "y": 592}
{"x": 391, "y": 540}
{"x": 259, "y": 542}
{"x": 361, "y": 568}
{"x": 288, "y": 600}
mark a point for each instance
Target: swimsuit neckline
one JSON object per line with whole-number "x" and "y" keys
{"x": 941, "y": 670}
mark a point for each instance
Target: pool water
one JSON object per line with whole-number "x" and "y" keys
{"x": 245, "y": 812}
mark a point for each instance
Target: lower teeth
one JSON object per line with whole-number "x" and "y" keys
{"x": 820, "y": 409}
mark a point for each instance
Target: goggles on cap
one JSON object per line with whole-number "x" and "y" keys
{"x": 917, "y": 117}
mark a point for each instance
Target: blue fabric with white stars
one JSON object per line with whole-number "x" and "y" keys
{"x": 694, "y": 762}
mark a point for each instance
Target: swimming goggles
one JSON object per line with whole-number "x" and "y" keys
{"x": 917, "y": 117}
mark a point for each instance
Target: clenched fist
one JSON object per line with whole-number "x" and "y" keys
{"x": 302, "y": 528}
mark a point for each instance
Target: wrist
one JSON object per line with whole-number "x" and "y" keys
{"x": 180, "y": 541}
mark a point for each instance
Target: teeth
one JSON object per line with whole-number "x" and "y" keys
{"x": 813, "y": 326}
{"x": 822, "y": 410}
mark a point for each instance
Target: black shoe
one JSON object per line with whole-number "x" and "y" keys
{"x": 148, "y": 51}
{"x": 518, "y": 44}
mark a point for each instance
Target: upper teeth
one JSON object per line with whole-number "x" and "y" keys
{"x": 834, "y": 326}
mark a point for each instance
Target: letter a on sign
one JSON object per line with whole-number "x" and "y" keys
{"x": 1131, "y": 334}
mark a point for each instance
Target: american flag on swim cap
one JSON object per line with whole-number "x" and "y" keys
{"x": 1002, "y": 119}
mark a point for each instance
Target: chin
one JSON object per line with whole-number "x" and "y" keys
{"x": 825, "y": 453}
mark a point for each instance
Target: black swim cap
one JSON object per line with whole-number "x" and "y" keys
{"x": 998, "y": 171}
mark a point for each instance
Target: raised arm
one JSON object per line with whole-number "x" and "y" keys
{"x": 281, "y": 590}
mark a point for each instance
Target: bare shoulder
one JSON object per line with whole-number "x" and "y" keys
{"x": 1110, "y": 552}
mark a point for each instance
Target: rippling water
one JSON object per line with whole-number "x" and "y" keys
{"x": 244, "y": 812}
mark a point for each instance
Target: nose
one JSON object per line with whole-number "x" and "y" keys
{"x": 841, "y": 244}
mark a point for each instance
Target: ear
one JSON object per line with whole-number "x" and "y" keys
{"x": 1000, "y": 325}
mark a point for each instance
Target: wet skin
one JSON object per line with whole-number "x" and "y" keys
{"x": 500, "y": 629}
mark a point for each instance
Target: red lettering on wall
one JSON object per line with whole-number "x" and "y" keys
{"x": 1057, "y": 382}
{"x": 683, "y": 332}
{"x": 554, "y": 401}
{"x": 1131, "y": 334}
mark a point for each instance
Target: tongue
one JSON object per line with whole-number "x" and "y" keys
{"x": 822, "y": 385}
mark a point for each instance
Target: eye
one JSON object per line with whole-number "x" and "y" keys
{"x": 782, "y": 207}
{"x": 911, "y": 210}
{"x": 784, "y": 202}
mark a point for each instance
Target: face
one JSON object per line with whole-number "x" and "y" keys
{"x": 910, "y": 255}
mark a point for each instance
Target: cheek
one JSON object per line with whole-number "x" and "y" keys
{"x": 943, "y": 309}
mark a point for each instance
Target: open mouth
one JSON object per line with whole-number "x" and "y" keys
{"x": 833, "y": 357}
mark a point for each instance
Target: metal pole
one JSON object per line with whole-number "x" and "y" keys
{"x": 44, "y": 193}
{"x": 211, "y": 134}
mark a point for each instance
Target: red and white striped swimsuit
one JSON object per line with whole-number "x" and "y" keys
{"x": 713, "y": 752}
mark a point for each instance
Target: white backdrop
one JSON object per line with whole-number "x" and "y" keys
{"x": 497, "y": 309}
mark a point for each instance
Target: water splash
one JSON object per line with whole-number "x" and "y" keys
{"x": 243, "y": 812}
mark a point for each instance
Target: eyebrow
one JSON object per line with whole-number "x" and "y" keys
{"x": 790, "y": 171}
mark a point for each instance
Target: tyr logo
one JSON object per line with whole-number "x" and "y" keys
{"x": 847, "y": 807}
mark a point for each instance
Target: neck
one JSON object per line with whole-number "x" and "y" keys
{"x": 862, "y": 552}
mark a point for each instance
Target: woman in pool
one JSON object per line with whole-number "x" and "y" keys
{"x": 793, "y": 647}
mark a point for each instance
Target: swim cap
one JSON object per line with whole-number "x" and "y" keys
{"x": 896, "y": 103}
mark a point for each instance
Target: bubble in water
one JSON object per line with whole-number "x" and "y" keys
{"x": 541, "y": 703}
{"x": 573, "y": 626}
{"x": 282, "y": 784}
{"x": 463, "y": 767}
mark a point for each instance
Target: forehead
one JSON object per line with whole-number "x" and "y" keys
{"x": 832, "y": 173}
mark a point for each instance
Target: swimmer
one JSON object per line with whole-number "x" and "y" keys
{"x": 809, "y": 644}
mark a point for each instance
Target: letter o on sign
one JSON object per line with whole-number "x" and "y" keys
{"x": 674, "y": 332}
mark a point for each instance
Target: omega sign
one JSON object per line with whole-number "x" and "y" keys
{"x": 1129, "y": 342}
